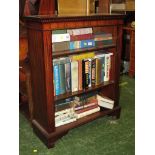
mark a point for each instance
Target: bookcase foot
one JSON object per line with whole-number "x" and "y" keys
{"x": 116, "y": 113}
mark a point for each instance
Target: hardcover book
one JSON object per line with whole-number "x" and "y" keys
{"x": 105, "y": 102}
{"x": 68, "y": 74}
{"x": 74, "y": 75}
{"x": 61, "y": 46}
{"x": 56, "y": 76}
{"x": 62, "y": 77}
{"x": 60, "y": 37}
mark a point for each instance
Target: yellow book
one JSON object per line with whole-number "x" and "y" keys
{"x": 83, "y": 56}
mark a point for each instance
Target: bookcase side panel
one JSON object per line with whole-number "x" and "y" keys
{"x": 41, "y": 72}
{"x": 118, "y": 61}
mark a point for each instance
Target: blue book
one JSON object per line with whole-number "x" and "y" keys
{"x": 62, "y": 76}
{"x": 56, "y": 78}
{"x": 87, "y": 43}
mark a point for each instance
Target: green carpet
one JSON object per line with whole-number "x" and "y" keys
{"x": 103, "y": 136}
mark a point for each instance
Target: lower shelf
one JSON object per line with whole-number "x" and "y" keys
{"x": 50, "y": 138}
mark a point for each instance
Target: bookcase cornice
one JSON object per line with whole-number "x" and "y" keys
{"x": 73, "y": 18}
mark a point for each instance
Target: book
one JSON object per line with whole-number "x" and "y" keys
{"x": 83, "y": 56}
{"x": 81, "y": 37}
{"x": 98, "y": 71}
{"x": 74, "y": 45}
{"x": 105, "y": 102}
{"x": 63, "y": 104}
{"x": 56, "y": 76}
{"x": 87, "y": 111}
{"x": 79, "y": 74}
{"x": 80, "y": 31}
{"x": 62, "y": 75}
{"x": 93, "y": 73}
{"x": 60, "y": 46}
{"x": 65, "y": 121}
{"x": 74, "y": 75}
{"x": 60, "y": 37}
{"x": 87, "y": 43}
{"x": 61, "y": 31}
{"x": 68, "y": 74}
{"x": 107, "y": 66}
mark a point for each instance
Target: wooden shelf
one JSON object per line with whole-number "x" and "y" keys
{"x": 83, "y": 50}
{"x": 93, "y": 88}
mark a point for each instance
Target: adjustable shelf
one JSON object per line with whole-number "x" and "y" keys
{"x": 41, "y": 56}
{"x": 78, "y": 51}
{"x": 93, "y": 88}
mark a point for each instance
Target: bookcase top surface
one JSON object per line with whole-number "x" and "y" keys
{"x": 77, "y": 17}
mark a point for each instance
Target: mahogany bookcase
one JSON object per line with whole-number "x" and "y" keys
{"x": 40, "y": 52}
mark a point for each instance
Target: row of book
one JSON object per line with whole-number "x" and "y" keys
{"x": 78, "y": 107}
{"x": 78, "y": 72}
{"x": 71, "y": 39}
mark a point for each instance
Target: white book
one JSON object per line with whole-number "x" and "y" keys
{"x": 65, "y": 121}
{"x": 107, "y": 66}
{"x": 86, "y": 113}
{"x": 104, "y": 98}
{"x": 79, "y": 31}
{"x": 105, "y": 102}
{"x": 74, "y": 75}
{"x": 68, "y": 110}
{"x": 60, "y": 37}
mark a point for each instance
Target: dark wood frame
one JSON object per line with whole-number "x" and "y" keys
{"x": 40, "y": 52}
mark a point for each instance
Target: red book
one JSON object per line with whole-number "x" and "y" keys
{"x": 86, "y": 109}
{"x": 81, "y": 37}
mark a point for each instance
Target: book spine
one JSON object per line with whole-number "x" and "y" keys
{"x": 98, "y": 71}
{"x": 93, "y": 71}
{"x": 65, "y": 121}
{"x": 90, "y": 75}
{"x": 83, "y": 56}
{"x": 59, "y": 31}
{"x": 87, "y": 43}
{"x": 60, "y": 37}
{"x": 102, "y": 59}
{"x": 81, "y": 37}
{"x": 80, "y": 74}
{"x": 86, "y": 113}
{"x": 87, "y": 80}
{"x": 83, "y": 75}
{"x": 74, "y": 45}
{"x": 68, "y": 110}
{"x": 107, "y": 67}
{"x": 62, "y": 78}
{"x": 56, "y": 79}
{"x": 74, "y": 75}
{"x": 80, "y": 31}
{"x": 60, "y": 46}
{"x": 68, "y": 75}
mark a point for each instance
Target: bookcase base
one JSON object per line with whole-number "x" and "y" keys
{"x": 49, "y": 139}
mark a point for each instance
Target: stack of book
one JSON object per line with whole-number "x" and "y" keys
{"x": 71, "y": 39}
{"x": 85, "y": 105}
{"x": 105, "y": 102}
{"x": 81, "y": 38}
{"x": 81, "y": 71}
{"x": 72, "y": 109}
{"x": 102, "y": 39}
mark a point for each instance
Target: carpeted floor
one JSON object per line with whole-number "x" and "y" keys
{"x": 103, "y": 136}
